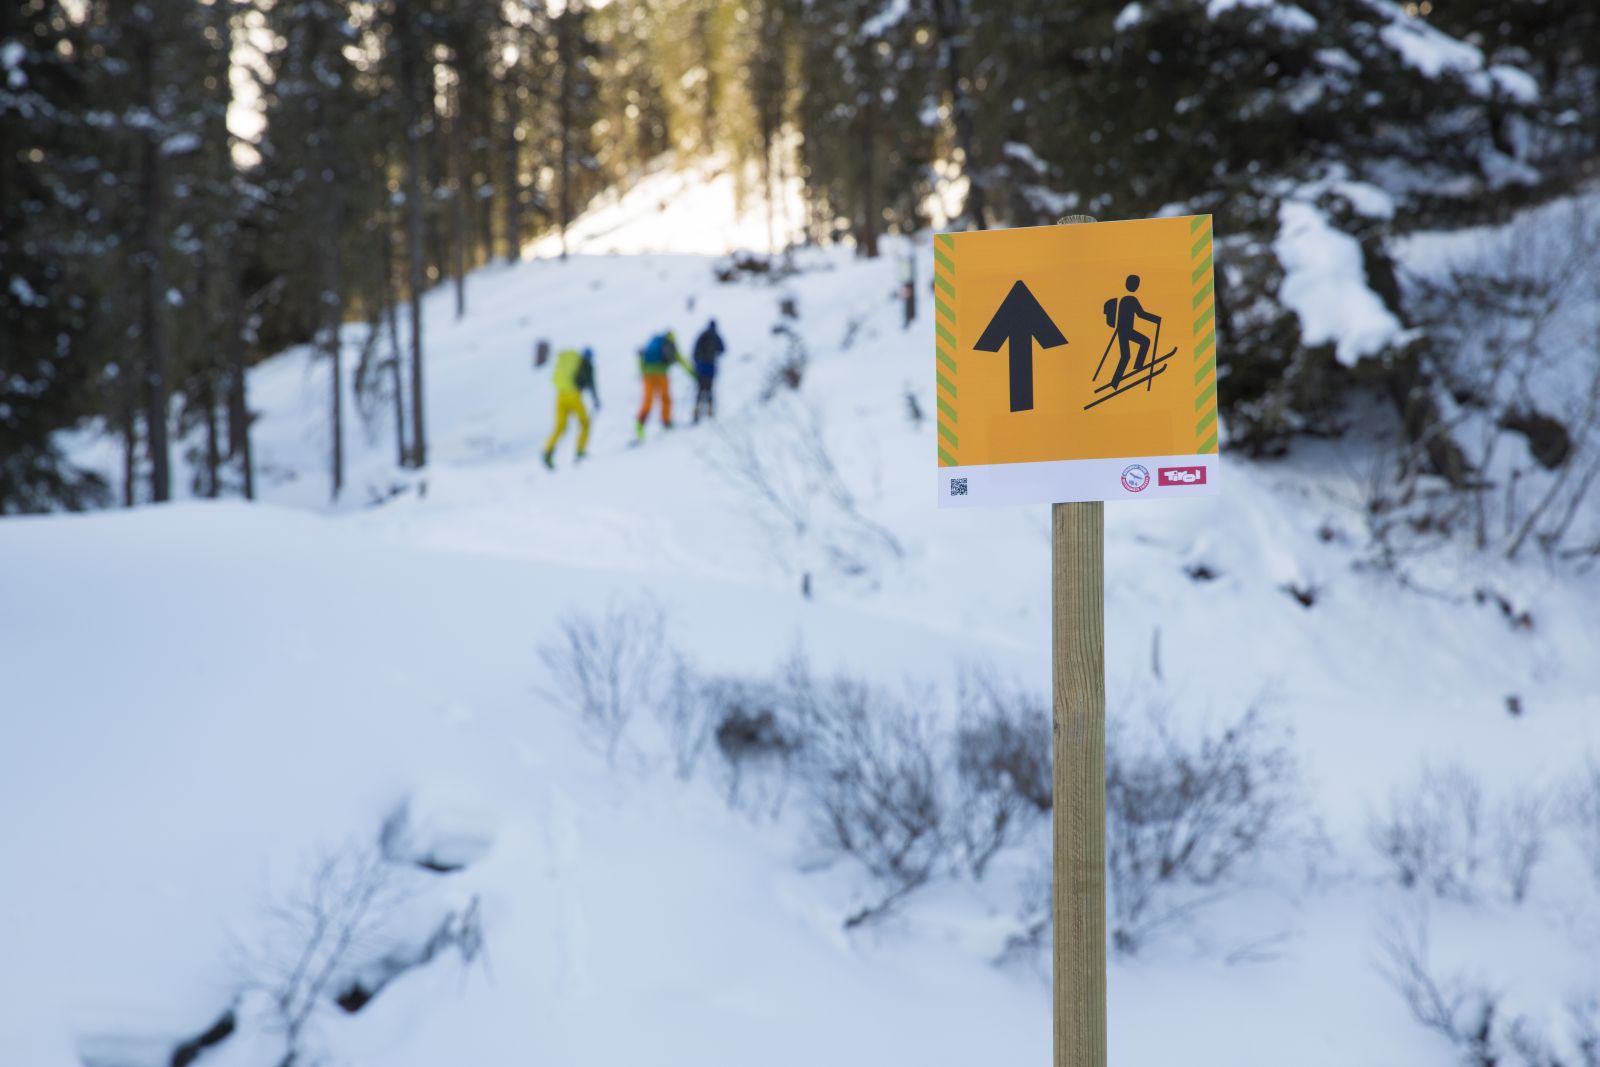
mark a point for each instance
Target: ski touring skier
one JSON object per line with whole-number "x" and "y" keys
{"x": 708, "y": 348}
{"x": 573, "y": 376}
{"x": 1123, "y": 317}
{"x": 655, "y": 359}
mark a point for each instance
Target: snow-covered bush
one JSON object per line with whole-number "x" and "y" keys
{"x": 1510, "y": 317}
{"x": 1521, "y": 837}
{"x": 1002, "y": 766}
{"x": 684, "y": 717}
{"x": 1465, "y": 1013}
{"x": 1185, "y": 817}
{"x": 1434, "y": 834}
{"x": 1444, "y": 836}
{"x": 784, "y": 471}
{"x": 438, "y": 828}
{"x": 607, "y": 666}
{"x": 1478, "y": 1021}
{"x": 872, "y": 780}
{"x": 788, "y": 370}
{"x": 1581, "y": 816}
{"x": 755, "y": 737}
{"x": 319, "y": 934}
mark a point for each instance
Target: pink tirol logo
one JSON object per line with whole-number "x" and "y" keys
{"x": 1182, "y": 475}
{"x": 1135, "y": 478}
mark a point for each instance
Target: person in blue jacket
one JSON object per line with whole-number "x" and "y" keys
{"x": 708, "y": 348}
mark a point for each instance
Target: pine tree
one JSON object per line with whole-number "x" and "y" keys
{"x": 43, "y": 373}
{"x": 866, "y": 154}
{"x": 1169, "y": 105}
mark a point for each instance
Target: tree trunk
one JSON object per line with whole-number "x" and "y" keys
{"x": 482, "y": 171}
{"x": 410, "y": 116}
{"x": 206, "y": 389}
{"x": 395, "y": 364}
{"x": 564, "y": 118}
{"x": 951, "y": 24}
{"x": 130, "y": 434}
{"x": 233, "y": 361}
{"x": 867, "y": 126}
{"x": 513, "y": 191}
{"x": 152, "y": 342}
{"x": 332, "y": 295}
{"x": 458, "y": 204}
{"x": 238, "y": 399}
{"x": 769, "y": 105}
{"x": 391, "y": 307}
{"x": 708, "y": 88}
{"x": 213, "y": 438}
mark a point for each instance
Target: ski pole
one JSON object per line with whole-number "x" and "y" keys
{"x": 1103, "y": 355}
{"x": 1155, "y": 354}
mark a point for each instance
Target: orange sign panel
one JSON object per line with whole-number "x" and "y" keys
{"x": 1076, "y": 362}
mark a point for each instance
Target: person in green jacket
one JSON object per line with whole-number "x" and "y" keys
{"x": 655, "y": 359}
{"x": 573, "y": 376}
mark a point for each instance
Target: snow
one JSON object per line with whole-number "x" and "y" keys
{"x": 1027, "y": 156}
{"x": 202, "y": 698}
{"x": 1338, "y": 59}
{"x": 1324, "y": 283}
{"x": 1536, "y": 246}
{"x": 1366, "y": 198}
{"x": 442, "y": 824}
{"x": 1284, "y": 16}
{"x": 11, "y": 55}
{"x": 1129, "y": 17}
{"x": 181, "y": 144}
{"x": 24, "y": 293}
{"x": 685, "y": 210}
{"x": 887, "y": 19}
{"x": 1434, "y": 53}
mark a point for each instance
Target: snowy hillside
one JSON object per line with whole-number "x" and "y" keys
{"x": 205, "y": 701}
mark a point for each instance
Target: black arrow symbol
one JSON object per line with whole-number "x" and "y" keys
{"x": 1020, "y": 320}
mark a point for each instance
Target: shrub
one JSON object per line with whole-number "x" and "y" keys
{"x": 752, "y": 735}
{"x": 1432, "y": 834}
{"x": 1444, "y": 836}
{"x": 1002, "y": 765}
{"x": 1582, "y": 816}
{"x": 872, "y": 782}
{"x": 1184, "y": 817}
{"x": 607, "y": 665}
{"x": 684, "y": 716}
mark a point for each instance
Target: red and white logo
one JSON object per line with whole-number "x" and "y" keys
{"x": 1182, "y": 475}
{"x": 1136, "y": 478}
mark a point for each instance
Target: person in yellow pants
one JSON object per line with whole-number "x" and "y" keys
{"x": 574, "y": 374}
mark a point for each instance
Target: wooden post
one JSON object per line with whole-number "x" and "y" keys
{"x": 1078, "y": 769}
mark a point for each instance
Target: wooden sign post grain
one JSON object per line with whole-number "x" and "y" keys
{"x": 1079, "y": 760}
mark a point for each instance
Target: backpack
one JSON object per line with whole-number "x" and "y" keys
{"x": 654, "y": 354}
{"x": 1111, "y": 312}
{"x": 584, "y": 377}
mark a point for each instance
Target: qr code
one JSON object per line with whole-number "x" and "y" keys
{"x": 958, "y": 487}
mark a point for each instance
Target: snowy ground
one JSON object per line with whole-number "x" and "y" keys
{"x": 200, "y": 698}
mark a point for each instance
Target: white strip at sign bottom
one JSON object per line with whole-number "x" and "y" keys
{"x": 1070, "y": 480}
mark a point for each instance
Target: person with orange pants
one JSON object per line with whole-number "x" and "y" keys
{"x": 574, "y": 373}
{"x": 655, "y": 360}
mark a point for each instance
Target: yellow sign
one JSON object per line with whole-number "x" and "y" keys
{"x": 1076, "y": 362}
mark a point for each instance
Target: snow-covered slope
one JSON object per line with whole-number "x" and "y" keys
{"x": 202, "y": 699}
